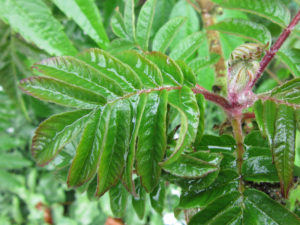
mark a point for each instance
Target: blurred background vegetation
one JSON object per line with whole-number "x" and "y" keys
{"x": 39, "y": 195}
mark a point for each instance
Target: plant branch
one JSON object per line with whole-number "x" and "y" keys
{"x": 274, "y": 49}
{"x": 219, "y": 100}
{"x": 207, "y": 13}
{"x": 236, "y": 123}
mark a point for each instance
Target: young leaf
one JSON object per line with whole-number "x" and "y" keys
{"x": 129, "y": 19}
{"x": 284, "y": 146}
{"x": 183, "y": 101}
{"x": 21, "y": 17}
{"x": 152, "y": 140}
{"x": 118, "y": 200}
{"x": 62, "y": 93}
{"x": 166, "y": 34}
{"x": 187, "y": 46}
{"x": 87, "y": 16}
{"x": 144, "y": 23}
{"x": 244, "y": 28}
{"x": 118, "y": 26}
{"x": 139, "y": 202}
{"x": 157, "y": 198}
{"x": 114, "y": 146}
{"x": 62, "y": 128}
{"x": 273, "y": 10}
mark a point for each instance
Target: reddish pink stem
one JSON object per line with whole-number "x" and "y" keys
{"x": 272, "y": 52}
{"x": 212, "y": 97}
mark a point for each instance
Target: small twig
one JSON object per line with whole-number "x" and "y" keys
{"x": 272, "y": 52}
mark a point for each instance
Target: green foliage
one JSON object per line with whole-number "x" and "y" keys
{"x": 128, "y": 124}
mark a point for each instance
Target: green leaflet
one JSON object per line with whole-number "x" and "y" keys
{"x": 291, "y": 57}
{"x": 258, "y": 165}
{"x": 200, "y": 131}
{"x": 279, "y": 124}
{"x": 86, "y": 14}
{"x": 157, "y": 197}
{"x": 62, "y": 128}
{"x": 284, "y": 146}
{"x": 202, "y": 62}
{"x": 172, "y": 75}
{"x": 166, "y": 34}
{"x": 112, "y": 68}
{"x": 114, "y": 146}
{"x": 129, "y": 19}
{"x": 21, "y": 14}
{"x": 273, "y": 10}
{"x": 148, "y": 72}
{"x": 289, "y": 91}
{"x": 80, "y": 74}
{"x": 190, "y": 79}
{"x": 85, "y": 163}
{"x": 48, "y": 89}
{"x": 195, "y": 165}
{"x": 254, "y": 208}
{"x": 152, "y": 140}
{"x": 185, "y": 103}
{"x": 138, "y": 105}
{"x": 144, "y": 23}
{"x": 139, "y": 202}
{"x": 187, "y": 46}
{"x": 118, "y": 200}
{"x": 244, "y": 28}
{"x": 118, "y": 25}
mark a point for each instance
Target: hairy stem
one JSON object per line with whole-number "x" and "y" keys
{"x": 274, "y": 49}
{"x": 236, "y": 123}
{"x": 208, "y": 18}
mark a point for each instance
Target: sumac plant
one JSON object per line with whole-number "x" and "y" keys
{"x": 137, "y": 104}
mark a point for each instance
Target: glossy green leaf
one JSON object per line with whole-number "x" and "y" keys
{"x": 119, "y": 45}
{"x": 291, "y": 58}
{"x": 144, "y": 23}
{"x": 46, "y": 32}
{"x": 254, "y": 207}
{"x": 129, "y": 19}
{"x": 187, "y": 46}
{"x": 48, "y": 89}
{"x": 114, "y": 146}
{"x": 112, "y": 68}
{"x": 284, "y": 146}
{"x": 190, "y": 79}
{"x": 223, "y": 144}
{"x": 203, "y": 62}
{"x": 152, "y": 140}
{"x": 258, "y": 165}
{"x": 226, "y": 182}
{"x": 62, "y": 128}
{"x": 118, "y": 26}
{"x": 273, "y": 10}
{"x": 172, "y": 75}
{"x": 80, "y": 74}
{"x": 190, "y": 167}
{"x": 244, "y": 28}
{"x": 200, "y": 131}
{"x": 259, "y": 116}
{"x": 138, "y": 105}
{"x": 262, "y": 209}
{"x": 288, "y": 92}
{"x": 157, "y": 198}
{"x": 166, "y": 34}
{"x": 185, "y": 103}
{"x": 148, "y": 72}
{"x": 86, "y": 14}
{"x": 139, "y": 202}
{"x": 86, "y": 160}
{"x": 118, "y": 200}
